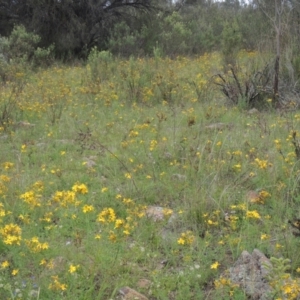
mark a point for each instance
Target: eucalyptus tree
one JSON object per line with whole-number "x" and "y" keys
{"x": 74, "y": 26}
{"x": 278, "y": 14}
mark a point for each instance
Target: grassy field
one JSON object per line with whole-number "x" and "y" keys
{"x": 130, "y": 171}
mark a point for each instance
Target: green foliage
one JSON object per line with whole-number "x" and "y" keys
{"x": 9, "y": 104}
{"x": 123, "y": 40}
{"x": 204, "y": 37}
{"x": 296, "y": 66}
{"x": 206, "y": 24}
{"x": 157, "y": 52}
{"x": 279, "y": 267}
{"x": 245, "y": 90}
{"x": 43, "y": 57}
{"x": 73, "y": 27}
{"x": 19, "y": 47}
{"x": 20, "y": 51}
{"x": 231, "y": 42}
{"x": 100, "y": 64}
{"x": 283, "y": 285}
{"x": 196, "y": 28}
{"x": 175, "y": 35}
{"x": 3, "y": 67}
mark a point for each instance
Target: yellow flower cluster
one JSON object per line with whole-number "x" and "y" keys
{"x": 3, "y": 212}
{"x": 87, "y": 208}
{"x": 65, "y": 198}
{"x": 153, "y": 144}
{"x": 107, "y": 215}
{"x": 7, "y": 165}
{"x": 261, "y": 197}
{"x": 262, "y": 164}
{"x": 35, "y": 245}
{"x": 80, "y": 188}
{"x": 215, "y": 266}
{"x": 252, "y": 214}
{"x": 186, "y": 238}
{"x": 226, "y": 286}
{"x": 212, "y": 219}
{"x": 32, "y": 199}
{"x": 287, "y": 287}
{"x": 56, "y": 285}
{"x": 73, "y": 268}
{"x": 11, "y": 234}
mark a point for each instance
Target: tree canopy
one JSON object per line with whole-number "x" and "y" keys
{"x": 134, "y": 27}
{"x": 72, "y": 25}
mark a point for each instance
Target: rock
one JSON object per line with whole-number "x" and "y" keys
{"x": 219, "y": 126}
{"x": 65, "y": 142}
{"x": 252, "y": 196}
{"x": 178, "y": 177}
{"x": 253, "y": 111}
{"x": 162, "y": 264}
{"x": 144, "y": 283}
{"x": 54, "y": 266}
{"x": 90, "y": 161}
{"x": 158, "y": 213}
{"x": 23, "y": 124}
{"x": 250, "y": 273}
{"x": 128, "y": 293}
{"x": 40, "y": 145}
{"x": 168, "y": 155}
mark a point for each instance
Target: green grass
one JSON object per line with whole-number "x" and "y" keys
{"x": 103, "y": 143}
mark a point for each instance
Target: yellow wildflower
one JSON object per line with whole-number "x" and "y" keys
{"x": 128, "y": 175}
{"x": 73, "y": 268}
{"x": 119, "y": 223}
{"x": 87, "y": 208}
{"x": 112, "y": 237}
{"x": 4, "y": 264}
{"x": 215, "y": 265}
{"x": 80, "y": 188}
{"x": 186, "y": 238}
{"x": 97, "y": 237}
{"x": 252, "y": 214}
{"x": 264, "y": 237}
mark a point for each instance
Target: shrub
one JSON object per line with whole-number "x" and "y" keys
{"x": 231, "y": 42}
{"x": 99, "y": 63}
{"x": 43, "y": 56}
{"x": 21, "y": 48}
{"x": 245, "y": 90}
{"x": 123, "y": 40}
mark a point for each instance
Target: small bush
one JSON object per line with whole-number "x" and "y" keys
{"x": 245, "y": 90}
{"x": 123, "y": 40}
{"x": 21, "y": 49}
{"x": 231, "y": 43}
{"x": 296, "y": 66}
{"x": 99, "y": 63}
{"x": 43, "y": 56}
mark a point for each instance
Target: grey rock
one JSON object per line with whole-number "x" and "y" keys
{"x": 250, "y": 273}
{"x": 178, "y": 177}
{"x": 253, "y": 111}
{"x": 128, "y": 293}
{"x": 219, "y": 126}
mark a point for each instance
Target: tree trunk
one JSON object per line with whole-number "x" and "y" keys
{"x": 277, "y": 59}
{"x": 276, "y": 81}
